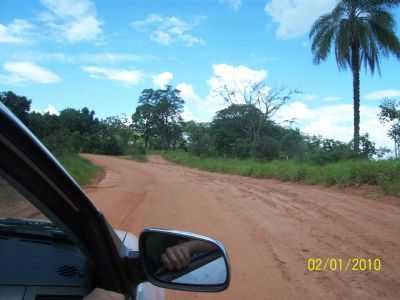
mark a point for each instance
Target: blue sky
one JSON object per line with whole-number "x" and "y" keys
{"x": 102, "y": 54}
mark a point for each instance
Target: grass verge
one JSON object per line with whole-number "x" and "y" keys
{"x": 385, "y": 173}
{"x": 81, "y": 169}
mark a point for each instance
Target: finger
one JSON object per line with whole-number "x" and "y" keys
{"x": 181, "y": 257}
{"x": 174, "y": 260}
{"x": 186, "y": 251}
{"x": 167, "y": 263}
{"x": 184, "y": 256}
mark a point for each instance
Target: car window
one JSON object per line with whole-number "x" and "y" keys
{"x": 14, "y": 205}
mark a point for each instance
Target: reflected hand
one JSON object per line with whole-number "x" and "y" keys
{"x": 177, "y": 257}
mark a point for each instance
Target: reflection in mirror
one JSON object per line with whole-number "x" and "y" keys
{"x": 184, "y": 260}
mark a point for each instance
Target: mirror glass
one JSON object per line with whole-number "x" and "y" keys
{"x": 184, "y": 260}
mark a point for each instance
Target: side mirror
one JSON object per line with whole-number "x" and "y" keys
{"x": 184, "y": 261}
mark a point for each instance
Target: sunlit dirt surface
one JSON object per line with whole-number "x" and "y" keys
{"x": 270, "y": 228}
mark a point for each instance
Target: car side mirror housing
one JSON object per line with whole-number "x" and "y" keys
{"x": 184, "y": 261}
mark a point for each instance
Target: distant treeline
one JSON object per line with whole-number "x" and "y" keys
{"x": 73, "y": 130}
{"x": 238, "y": 131}
{"x": 231, "y": 135}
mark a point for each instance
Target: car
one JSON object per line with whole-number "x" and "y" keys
{"x": 55, "y": 244}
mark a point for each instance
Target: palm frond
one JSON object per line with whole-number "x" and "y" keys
{"x": 343, "y": 42}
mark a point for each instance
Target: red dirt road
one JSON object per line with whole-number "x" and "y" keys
{"x": 269, "y": 228}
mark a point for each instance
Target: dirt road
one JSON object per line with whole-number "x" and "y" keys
{"x": 270, "y": 228}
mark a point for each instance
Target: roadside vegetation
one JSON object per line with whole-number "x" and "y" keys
{"x": 81, "y": 169}
{"x": 384, "y": 173}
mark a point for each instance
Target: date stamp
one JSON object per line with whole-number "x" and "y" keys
{"x": 352, "y": 264}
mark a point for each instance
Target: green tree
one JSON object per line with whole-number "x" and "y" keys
{"x": 390, "y": 113}
{"x": 158, "y": 116}
{"x": 199, "y": 137}
{"x": 360, "y": 32}
{"x": 19, "y": 105}
{"x": 143, "y": 122}
{"x": 265, "y": 100}
{"x": 235, "y": 128}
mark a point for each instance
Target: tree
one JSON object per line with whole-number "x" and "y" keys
{"x": 143, "y": 122}
{"x": 19, "y": 105}
{"x": 199, "y": 137}
{"x": 235, "y": 129}
{"x": 360, "y": 31}
{"x": 390, "y": 113}
{"x": 158, "y": 116}
{"x": 263, "y": 98}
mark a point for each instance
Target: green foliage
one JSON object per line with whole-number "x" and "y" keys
{"x": 390, "y": 113}
{"x": 384, "y": 173}
{"x": 19, "y": 105}
{"x": 74, "y": 130}
{"x": 360, "y": 32}
{"x": 81, "y": 169}
{"x": 137, "y": 152}
{"x": 232, "y": 132}
{"x": 356, "y": 25}
{"x": 158, "y": 118}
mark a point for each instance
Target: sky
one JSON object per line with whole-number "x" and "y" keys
{"x": 102, "y": 54}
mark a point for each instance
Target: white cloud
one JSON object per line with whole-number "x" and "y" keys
{"x": 129, "y": 77}
{"x": 161, "y": 80}
{"x": 335, "y": 121}
{"x": 151, "y": 19}
{"x": 382, "y": 94}
{"x": 87, "y": 28}
{"x": 169, "y": 30}
{"x": 27, "y": 72}
{"x": 16, "y": 32}
{"x": 188, "y": 94}
{"x": 50, "y": 109}
{"x": 233, "y": 4}
{"x": 69, "y": 8}
{"x": 161, "y": 37}
{"x": 187, "y": 114}
{"x": 236, "y": 79}
{"x": 296, "y": 110}
{"x": 295, "y": 17}
{"x": 74, "y": 20}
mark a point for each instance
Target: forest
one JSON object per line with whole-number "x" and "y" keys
{"x": 238, "y": 131}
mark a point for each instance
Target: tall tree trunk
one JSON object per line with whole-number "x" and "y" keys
{"x": 146, "y": 142}
{"x": 356, "y": 95}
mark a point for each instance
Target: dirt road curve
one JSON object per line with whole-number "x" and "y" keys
{"x": 269, "y": 228}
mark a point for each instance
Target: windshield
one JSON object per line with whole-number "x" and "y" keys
{"x": 14, "y": 205}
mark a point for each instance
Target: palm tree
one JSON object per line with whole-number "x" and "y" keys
{"x": 360, "y": 31}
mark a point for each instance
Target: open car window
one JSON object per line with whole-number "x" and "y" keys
{"x": 14, "y": 205}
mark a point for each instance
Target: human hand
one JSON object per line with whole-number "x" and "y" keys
{"x": 176, "y": 257}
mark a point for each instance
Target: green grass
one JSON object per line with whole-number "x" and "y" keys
{"x": 81, "y": 169}
{"x": 385, "y": 173}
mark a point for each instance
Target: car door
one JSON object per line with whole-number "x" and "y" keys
{"x": 28, "y": 166}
